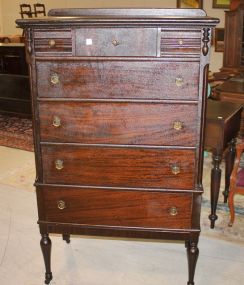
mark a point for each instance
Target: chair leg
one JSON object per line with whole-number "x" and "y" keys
{"x": 231, "y": 207}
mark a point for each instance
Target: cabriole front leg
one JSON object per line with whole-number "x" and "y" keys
{"x": 46, "y": 245}
{"x": 192, "y": 256}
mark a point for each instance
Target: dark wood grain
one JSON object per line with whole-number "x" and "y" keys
{"x": 101, "y": 42}
{"x": 222, "y": 127}
{"x": 223, "y": 124}
{"x": 119, "y": 123}
{"x": 110, "y": 166}
{"x": 119, "y": 79}
{"x": 123, "y": 12}
{"x": 233, "y": 60}
{"x": 118, "y": 208}
{"x": 127, "y": 75}
{"x": 180, "y": 41}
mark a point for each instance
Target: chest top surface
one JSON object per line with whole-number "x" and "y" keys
{"x": 71, "y": 16}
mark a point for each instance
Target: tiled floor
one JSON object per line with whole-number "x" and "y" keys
{"x": 95, "y": 261}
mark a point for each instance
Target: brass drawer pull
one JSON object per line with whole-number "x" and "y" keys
{"x": 175, "y": 169}
{"x": 54, "y": 78}
{"x": 51, "y": 43}
{"x": 173, "y": 211}
{"x": 56, "y": 121}
{"x": 61, "y": 205}
{"x": 179, "y": 81}
{"x": 178, "y": 125}
{"x": 115, "y": 42}
{"x": 59, "y": 164}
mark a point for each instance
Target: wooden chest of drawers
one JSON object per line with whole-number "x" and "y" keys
{"x": 118, "y": 108}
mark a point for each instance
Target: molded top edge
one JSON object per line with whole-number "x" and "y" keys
{"x": 84, "y": 16}
{"x": 125, "y": 12}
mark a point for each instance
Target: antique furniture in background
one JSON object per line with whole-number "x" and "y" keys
{"x": 39, "y": 10}
{"x": 233, "y": 61}
{"x": 222, "y": 126}
{"x": 14, "y": 80}
{"x": 119, "y": 104}
{"x": 236, "y": 181}
{"x": 26, "y": 10}
{"x": 219, "y": 39}
{"x": 232, "y": 90}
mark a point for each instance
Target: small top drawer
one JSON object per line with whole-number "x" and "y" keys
{"x": 116, "y": 42}
{"x": 180, "y": 42}
{"x": 49, "y": 42}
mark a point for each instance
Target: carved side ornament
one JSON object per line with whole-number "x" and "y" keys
{"x": 206, "y": 39}
{"x": 28, "y": 41}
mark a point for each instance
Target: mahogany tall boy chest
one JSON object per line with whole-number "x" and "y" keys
{"x": 118, "y": 99}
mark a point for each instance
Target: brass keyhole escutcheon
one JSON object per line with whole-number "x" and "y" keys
{"x": 59, "y": 164}
{"x": 179, "y": 81}
{"x": 115, "y": 42}
{"x": 56, "y": 121}
{"x": 173, "y": 211}
{"x": 51, "y": 43}
{"x": 61, "y": 205}
{"x": 177, "y": 125}
{"x": 54, "y": 78}
{"x": 180, "y": 42}
{"x": 175, "y": 169}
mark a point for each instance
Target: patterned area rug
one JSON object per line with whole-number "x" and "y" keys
{"x": 16, "y": 132}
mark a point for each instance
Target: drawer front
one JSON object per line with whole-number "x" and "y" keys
{"x": 116, "y": 42}
{"x": 180, "y": 42}
{"x": 118, "y": 167}
{"x": 118, "y": 208}
{"x": 119, "y": 123}
{"x": 54, "y": 42}
{"x": 118, "y": 80}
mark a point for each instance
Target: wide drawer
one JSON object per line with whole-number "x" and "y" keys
{"x": 119, "y": 123}
{"x": 116, "y": 42}
{"x": 118, "y": 167}
{"x": 118, "y": 79}
{"x": 117, "y": 208}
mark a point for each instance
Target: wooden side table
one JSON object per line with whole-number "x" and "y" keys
{"x": 232, "y": 90}
{"x": 222, "y": 126}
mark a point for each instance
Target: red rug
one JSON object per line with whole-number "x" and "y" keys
{"x": 16, "y": 132}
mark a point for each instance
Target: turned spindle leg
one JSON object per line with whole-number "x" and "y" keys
{"x": 46, "y": 245}
{"x": 229, "y": 162}
{"x": 192, "y": 256}
{"x": 215, "y": 185}
{"x": 66, "y": 237}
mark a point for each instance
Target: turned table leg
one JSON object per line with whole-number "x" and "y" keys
{"x": 192, "y": 256}
{"x": 66, "y": 237}
{"x": 215, "y": 185}
{"x": 46, "y": 245}
{"x": 229, "y": 162}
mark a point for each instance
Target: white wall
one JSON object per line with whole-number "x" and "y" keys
{"x": 9, "y": 12}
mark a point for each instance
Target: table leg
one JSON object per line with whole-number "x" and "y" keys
{"x": 229, "y": 162}
{"x": 215, "y": 185}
